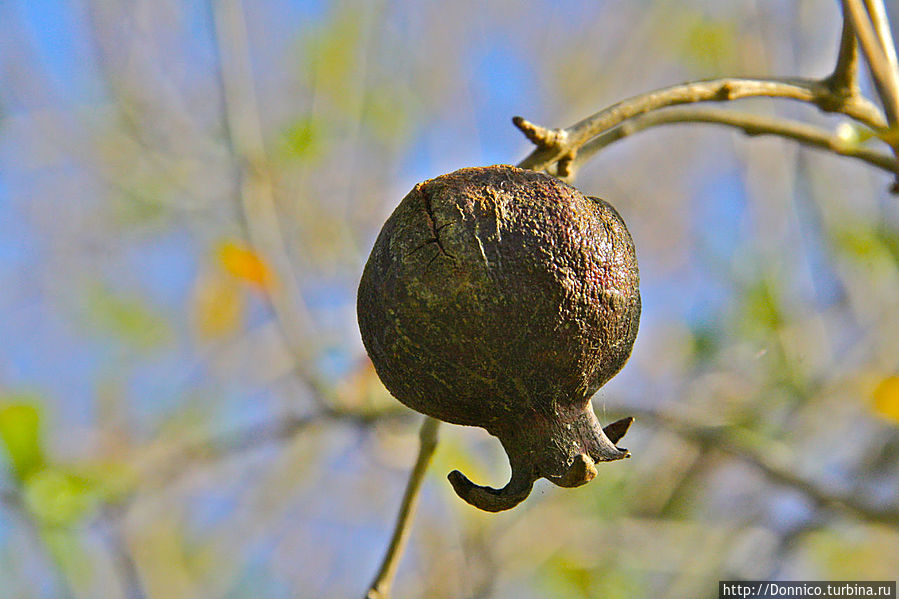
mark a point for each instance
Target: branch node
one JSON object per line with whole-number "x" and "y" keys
{"x": 725, "y": 92}
{"x": 833, "y": 101}
{"x": 564, "y": 167}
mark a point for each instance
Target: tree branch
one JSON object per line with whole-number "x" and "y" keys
{"x": 885, "y": 76}
{"x": 256, "y": 188}
{"x": 777, "y": 467}
{"x": 161, "y": 469}
{"x": 844, "y": 79}
{"x": 750, "y": 124}
{"x": 380, "y": 587}
{"x": 122, "y": 559}
{"x": 563, "y": 144}
{"x": 36, "y": 533}
{"x": 882, "y": 28}
{"x": 284, "y": 428}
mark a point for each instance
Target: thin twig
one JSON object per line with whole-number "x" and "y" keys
{"x": 256, "y": 188}
{"x": 777, "y": 467}
{"x": 885, "y": 78}
{"x": 37, "y": 531}
{"x": 750, "y": 124}
{"x": 380, "y": 587}
{"x": 714, "y": 90}
{"x": 284, "y": 428}
{"x": 160, "y": 470}
{"x": 110, "y": 527}
{"x": 882, "y": 28}
{"x": 844, "y": 79}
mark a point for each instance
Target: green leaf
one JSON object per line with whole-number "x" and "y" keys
{"x": 20, "y": 423}
{"x": 332, "y": 57}
{"x": 128, "y": 318}
{"x": 762, "y": 305}
{"x": 139, "y": 208}
{"x": 890, "y": 239}
{"x": 58, "y": 498}
{"x": 388, "y": 112}
{"x": 304, "y": 139}
{"x": 857, "y": 241}
{"x": 569, "y": 574}
{"x": 111, "y": 481}
{"x": 705, "y": 343}
{"x": 863, "y": 553}
{"x": 708, "y": 44}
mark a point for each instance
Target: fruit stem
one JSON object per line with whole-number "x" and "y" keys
{"x": 566, "y": 455}
{"x": 380, "y": 587}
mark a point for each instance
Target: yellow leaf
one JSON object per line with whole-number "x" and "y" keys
{"x": 886, "y": 398}
{"x": 244, "y": 263}
{"x": 218, "y": 304}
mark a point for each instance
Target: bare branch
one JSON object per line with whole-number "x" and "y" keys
{"x": 122, "y": 559}
{"x": 886, "y": 79}
{"x": 750, "y": 124}
{"x": 284, "y": 428}
{"x": 882, "y": 28}
{"x": 256, "y": 189}
{"x": 844, "y": 79}
{"x": 539, "y": 136}
{"x": 776, "y": 466}
{"x": 36, "y": 536}
{"x": 183, "y": 456}
{"x": 715, "y": 90}
{"x": 380, "y": 587}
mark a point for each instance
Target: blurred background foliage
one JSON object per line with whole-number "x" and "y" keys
{"x": 186, "y": 409}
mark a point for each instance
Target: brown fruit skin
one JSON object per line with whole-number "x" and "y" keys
{"x": 503, "y": 298}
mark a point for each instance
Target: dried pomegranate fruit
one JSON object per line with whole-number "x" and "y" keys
{"x": 504, "y": 298}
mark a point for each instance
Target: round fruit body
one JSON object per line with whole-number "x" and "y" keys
{"x": 503, "y": 298}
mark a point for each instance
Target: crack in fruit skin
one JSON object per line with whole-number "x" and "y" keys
{"x": 435, "y": 230}
{"x": 535, "y": 307}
